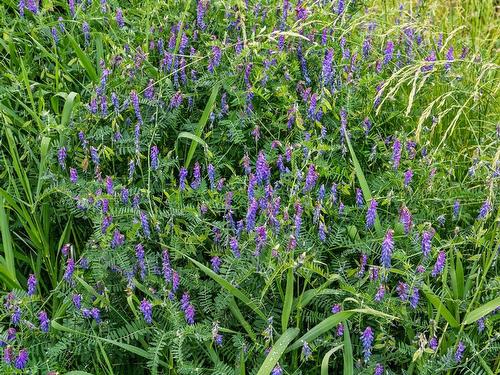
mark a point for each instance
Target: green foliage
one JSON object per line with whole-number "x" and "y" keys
{"x": 242, "y": 87}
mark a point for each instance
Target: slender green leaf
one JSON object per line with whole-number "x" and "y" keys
{"x": 8, "y": 249}
{"x": 239, "y": 316}
{"x": 332, "y": 321}
{"x": 326, "y": 358}
{"x": 84, "y": 59}
{"x": 277, "y": 351}
{"x": 130, "y": 348}
{"x": 230, "y": 288}
{"x": 362, "y": 182}
{"x": 348, "y": 357}
{"x": 321, "y": 328}
{"x": 438, "y": 304}
{"x": 71, "y": 99}
{"x": 287, "y": 305}
{"x": 481, "y": 311}
{"x": 201, "y": 124}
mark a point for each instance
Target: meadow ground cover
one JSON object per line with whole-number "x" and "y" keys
{"x": 249, "y": 187}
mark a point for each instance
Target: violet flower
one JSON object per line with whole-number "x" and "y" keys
{"x": 387, "y": 248}
{"x": 119, "y": 18}
{"x": 426, "y": 242}
{"x": 147, "y": 310}
{"x": 44, "y": 321}
{"x": 311, "y": 178}
{"x": 367, "y": 340}
{"x": 396, "y": 154}
{"x": 371, "y": 214}
{"x": 440, "y": 263}
{"x": 380, "y": 293}
{"x": 182, "y": 178}
{"x": 485, "y": 210}
{"x": 459, "y": 352}
{"x": 31, "y": 285}
{"x": 22, "y": 359}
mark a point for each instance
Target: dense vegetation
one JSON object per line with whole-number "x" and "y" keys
{"x": 244, "y": 187}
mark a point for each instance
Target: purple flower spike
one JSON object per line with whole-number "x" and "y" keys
{"x": 408, "y": 177}
{"x": 306, "y": 350}
{"x": 31, "y": 285}
{"x": 379, "y": 296}
{"x": 402, "y": 290}
{"x": 22, "y": 359}
{"x": 73, "y": 175}
{"x": 182, "y": 178}
{"x": 216, "y": 262}
{"x": 135, "y": 103}
{"x": 456, "y": 209}
{"x": 485, "y": 210}
{"x": 211, "y": 175}
{"x": 189, "y": 314}
{"x": 327, "y": 67}
{"x": 277, "y": 370}
{"x": 371, "y": 214}
{"x": 433, "y": 343}
{"x": 426, "y": 242}
{"x": 11, "y": 334}
{"x": 176, "y": 100}
{"x": 70, "y": 268}
{"x": 367, "y": 340}
{"x": 387, "y": 248}
{"x": 119, "y": 18}
{"x": 298, "y": 218}
{"x": 480, "y": 325}
{"x": 359, "y": 197}
{"x": 406, "y": 219}
{"x": 233, "y": 243}
{"x": 459, "y": 353}
{"x": 154, "y": 157}
{"x": 389, "y": 50}
{"x": 44, "y": 321}
{"x": 414, "y": 298}
{"x": 263, "y": 171}
{"x": 311, "y": 178}
{"x": 61, "y": 157}
{"x": 147, "y": 310}
{"x": 195, "y": 184}
{"x": 440, "y": 263}
{"x": 396, "y": 154}
{"x": 77, "y": 301}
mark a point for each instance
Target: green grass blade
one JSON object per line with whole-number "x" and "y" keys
{"x": 129, "y": 348}
{"x": 239, "y": 316}
{"x": 348, "y": 357}
{"x": 193, "y": 138}
{"x": 277, "y": 351}
{"x": 321, "y": 328}
{"x": 287, "y": 305}
{"x": 69, "y": 103}
{"x": 438, "y": 304}
{"x": 16, "y": 163}
{"x": 8, "y": 249}
{"x": 326, "y": 358}
{"x": 230, "y": 288}
{"x": 84, "y": 59}
{"x": 201, "y": 124}
{"x": 362, "y": 182}
{"x": 481, "y": 311}
{"x": 332, "y": 321}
